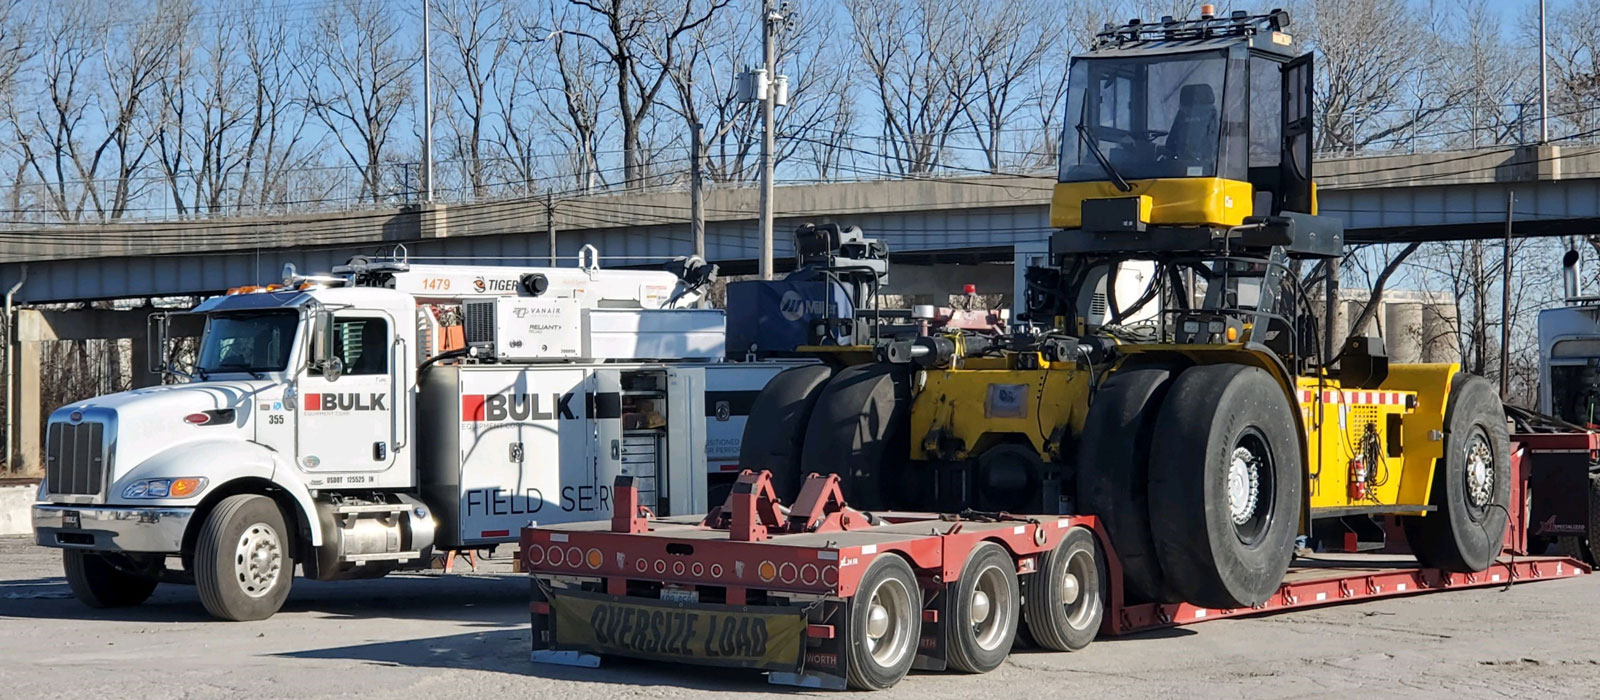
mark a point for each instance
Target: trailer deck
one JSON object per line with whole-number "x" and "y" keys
{"x": 757, "y": 586}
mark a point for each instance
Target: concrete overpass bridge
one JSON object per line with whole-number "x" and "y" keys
{"x": 929, "y": 224}
{"x": 938, "y": 220}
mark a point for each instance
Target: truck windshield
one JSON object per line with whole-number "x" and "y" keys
{"x": 1152, "y": 117}
{"x": 254, "y": 342}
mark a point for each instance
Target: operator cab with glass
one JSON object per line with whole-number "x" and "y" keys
{"x": 1187, "y": 143}
{"x": 1191, "y": 124}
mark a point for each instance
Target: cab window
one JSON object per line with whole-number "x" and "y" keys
{"x": 362, "y": 344}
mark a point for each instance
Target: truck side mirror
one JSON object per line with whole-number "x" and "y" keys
{"x": 324, "y": 346}
{"x": 155, "y": 340}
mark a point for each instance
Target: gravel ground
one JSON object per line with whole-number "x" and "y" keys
{"x": 465, "y": 636}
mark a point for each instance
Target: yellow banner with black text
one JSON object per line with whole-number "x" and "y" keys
{"x": 768, "y": 638}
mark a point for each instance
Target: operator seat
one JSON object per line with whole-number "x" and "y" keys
{"x": 1192, "y": 141}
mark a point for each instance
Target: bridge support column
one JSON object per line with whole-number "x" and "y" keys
{"x": 33, "y": 329}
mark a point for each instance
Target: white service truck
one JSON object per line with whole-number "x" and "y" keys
{"x": 353, "y": 423}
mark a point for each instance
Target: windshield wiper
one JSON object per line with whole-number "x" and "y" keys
{"x": 1100, "y": 156}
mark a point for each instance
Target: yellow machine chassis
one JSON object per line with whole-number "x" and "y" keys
{"x": 1400, "y": 423}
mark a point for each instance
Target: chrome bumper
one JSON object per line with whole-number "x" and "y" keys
{"x": 111, "y": 528}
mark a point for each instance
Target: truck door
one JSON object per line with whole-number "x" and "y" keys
{"x": 348, "y": 425}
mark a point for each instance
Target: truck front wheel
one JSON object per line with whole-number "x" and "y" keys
{"x": 98, "y": 582}
{"x": 243, "y": 566}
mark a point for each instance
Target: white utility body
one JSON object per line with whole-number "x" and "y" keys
{"x": 355, "y": 422}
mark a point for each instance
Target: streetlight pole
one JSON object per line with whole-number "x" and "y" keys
{"x": 769, "y": 17}
{"x": 1544, "y": 83}
{"x": 427, "y": 105}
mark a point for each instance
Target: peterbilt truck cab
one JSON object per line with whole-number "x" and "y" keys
{"x": 352, "y": 423}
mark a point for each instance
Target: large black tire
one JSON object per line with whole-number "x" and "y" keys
{"x": 880, "y": 661}
{"x": 1225, "y": 485}
{"x": 985, "y": 605}
{"x": 1113, "y": 472}
{"x": 858, "y": 430}
{"x": 98, "y": 583}
{"x": 1467, "y": 528}
{"x": 774, "y": 434}
{"x": 1064, "y": 601}
{"x": 243, "y": 564}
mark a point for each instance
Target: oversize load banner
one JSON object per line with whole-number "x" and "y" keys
{"x": 767, "y": 638}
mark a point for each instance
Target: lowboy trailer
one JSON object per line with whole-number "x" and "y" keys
{"x": 821, "y": 595}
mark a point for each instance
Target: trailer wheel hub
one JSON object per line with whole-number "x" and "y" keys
{"x": 1071, "y": 588}
{"x": 258, "y": 560}
{"x": 980, "y": 607}
{"x": 1480, "y": 471}
{"x": 877, "y": 622}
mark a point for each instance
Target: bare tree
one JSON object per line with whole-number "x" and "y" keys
{"x": 914, "y": 56}
{"x": 707, "y": 93}
{"x": 1573, "y": 33}
{"x": 1006, "y": 45}
{"x": 358, "y": 77}
{"x": 1495, "y": 81}
{"x": 272, "y": 147}
{"x": 477, "y": 37}
{"x": 16, "y": 50}
{"x": 1374, "y": 80}
{"x": 86, "y": 140}
{"x": 642, "y": 40}
{"x": 572, "y": 106}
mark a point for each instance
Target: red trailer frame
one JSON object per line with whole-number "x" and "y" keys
{"x": 752, "y": 557}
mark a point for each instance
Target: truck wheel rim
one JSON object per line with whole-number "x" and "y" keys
{"x": 1249, "y": 486}
{"x": 989, "y": 613}
{"x": 1080, "y": 607}
{"x": 888, "y": 638}
{"x": 1479, "y": 472}
{"x": 258, "y": 560}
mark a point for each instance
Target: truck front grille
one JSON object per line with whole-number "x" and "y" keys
{"x": 75, "y": 459}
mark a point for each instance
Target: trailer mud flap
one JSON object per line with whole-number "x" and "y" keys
{"x": 768, "y": 638}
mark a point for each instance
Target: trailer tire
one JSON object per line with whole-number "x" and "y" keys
{"x": 1225, "y": 528}
{"x": 860, "y": 421}
{"x": 889, "y": 585}
{"x": 1466, "y": 530}
{"x": 1064, "y": 601}
{"x": 985, "y": 605}
{"x": 775, "y": 431}
{"x": 1593, "y": 537}
{"x": 243, "y": 564}
{"x": 1113, "y": 471}
{"x": 98, "y": 583}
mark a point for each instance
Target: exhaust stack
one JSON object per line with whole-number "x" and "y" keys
{"x": 1571, "y": 270}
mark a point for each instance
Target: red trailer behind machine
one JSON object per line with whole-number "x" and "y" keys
{"x": 821, "y": 595}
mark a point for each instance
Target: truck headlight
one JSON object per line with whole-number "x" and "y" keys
{"x": 165, "y": 488}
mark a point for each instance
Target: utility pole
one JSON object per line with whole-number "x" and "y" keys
{"x": 1505, "y": 300}
{"x": 769, "y": 18}
{"x": 1544, "y": 83}
{"x": 697, "y": 212}
{"x": 427, "y": 105}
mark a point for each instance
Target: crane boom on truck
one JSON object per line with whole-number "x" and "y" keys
{"x": 353, "y": 422}
{"x": 1183, "y": 451}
